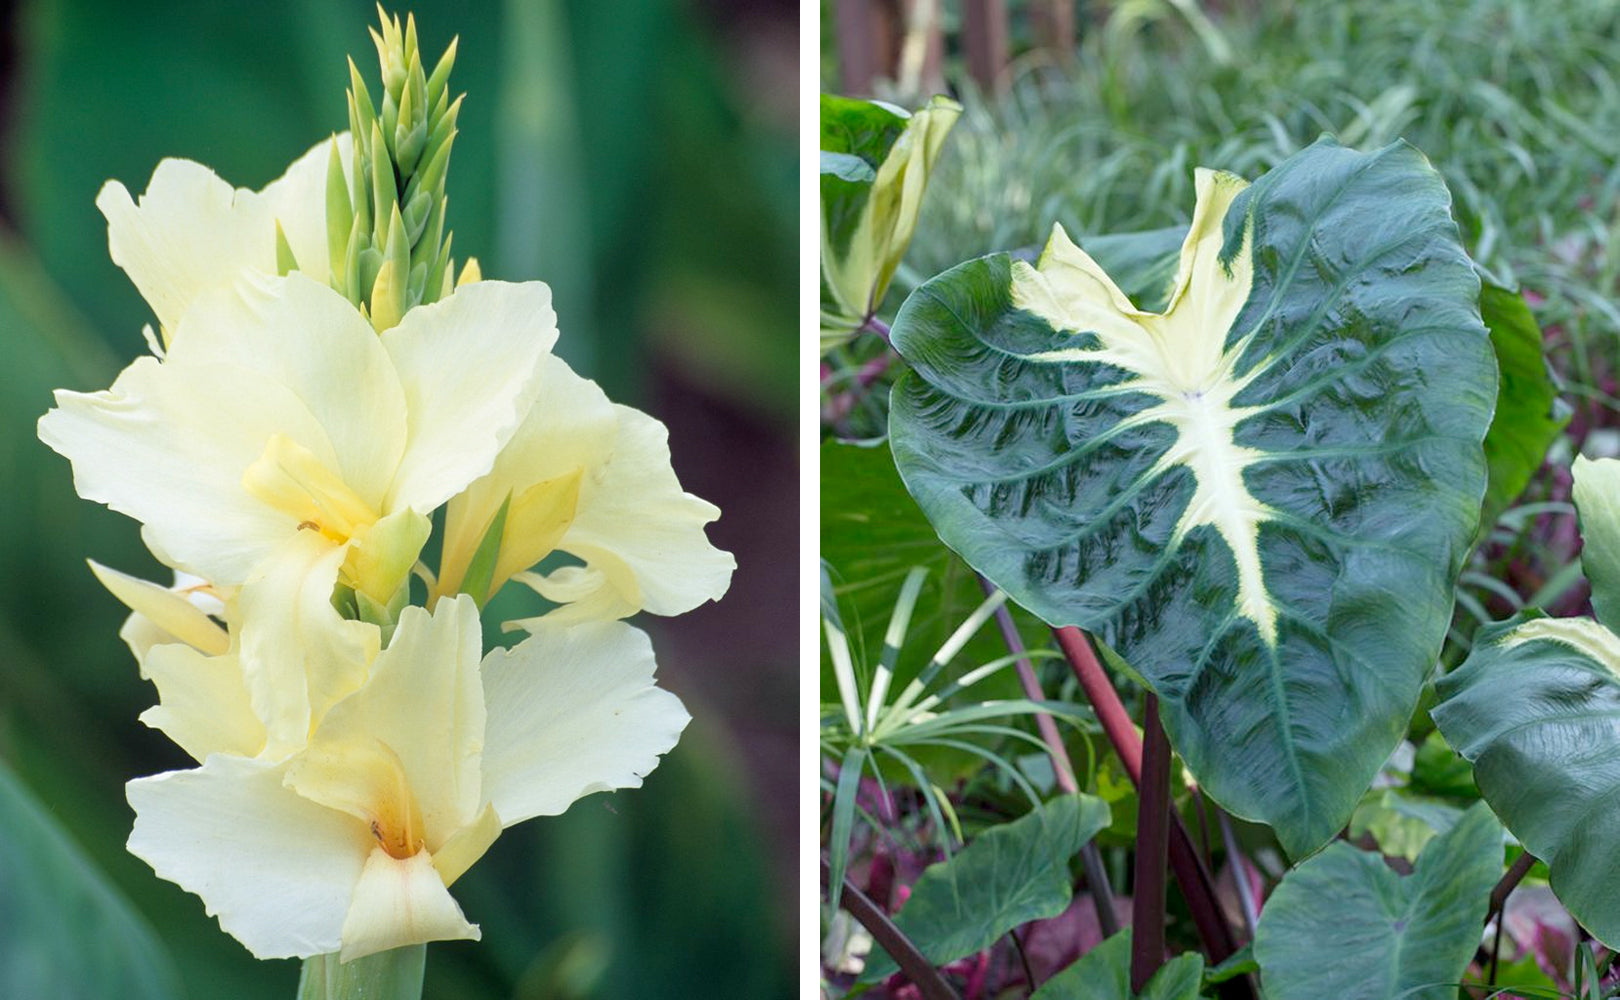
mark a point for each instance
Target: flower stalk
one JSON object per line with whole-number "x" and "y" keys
{"x": 387, "y": 975}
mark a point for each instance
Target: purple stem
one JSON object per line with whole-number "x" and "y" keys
{"x": 1190, "y": 871}
{"x": 1152, "y": 845}
{"x": 918, "y": 969}
{"x": 1102, "y": 894}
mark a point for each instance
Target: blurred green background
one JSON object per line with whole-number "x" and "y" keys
{"x": 644, "y": 165}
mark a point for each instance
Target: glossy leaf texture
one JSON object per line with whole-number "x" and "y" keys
{"x": 1261, "y": 497}
{"x": 1529, "y": 412}
{"x": 1104, "y": 973}
{"x": 1536, "y": 708}
{"x": 875, "y": 161}
{"x": 1345, "y": 925}
{"x": 65, "y": 931}
{"x": 1009, "y": 875}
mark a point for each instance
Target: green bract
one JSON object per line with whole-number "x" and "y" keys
{"x": 1344, "y": 925}
{"x": 389, "y": 250}
{"x": 1536, "y": 708}
{"x": 1260, "y": 496}
{"x": 875, "y": 161}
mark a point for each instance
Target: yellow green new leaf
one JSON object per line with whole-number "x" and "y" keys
{"x": 875, "y": 162}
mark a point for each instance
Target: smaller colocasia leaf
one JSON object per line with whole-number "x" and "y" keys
{"x": 1257, "y": 485}
{"x": 875, "y": 162}
{"x": 1345, "y": 925}
{"x": 1104, "y": 973}
{"x": 1536, "y": 709}
{"x": 1009, "y": 875}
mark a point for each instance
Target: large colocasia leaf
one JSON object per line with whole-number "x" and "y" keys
{"x": 1344, "y": 925}
{"x": 875, "y": 162}
{"x": 1536, "y": 709}
{"x": 1259, "y": 496}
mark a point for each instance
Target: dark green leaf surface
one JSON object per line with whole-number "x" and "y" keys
{"x": 65, "y": 932}
{"x": 1367, "y": 385}
{"x": 1104, "y": 973}
{"x": 1344, "y": 925}
{"x": 1536, "y": 707}
{"x": 1008, "y": 876}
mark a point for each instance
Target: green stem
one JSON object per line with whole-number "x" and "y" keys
{"x": 387, "y": 975}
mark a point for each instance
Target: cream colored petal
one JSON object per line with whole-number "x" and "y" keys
{"x": 570, "y": 428}
{"x": 600, "y": 593}
{"x": 168, "y": 445}
{"x": 297, "y": 200}
{"x": 573, "y": 711}
{"x": 399, "y": 903}
{"x": 141, "y": 636}
{"x": 302, "y": 335}
{"x": 203, "y": 703}
{"x": 299, "y": 655}
{"x": 470, "y": 367}
{"x": 639, "y": 532}
{"x": 423, "y": 701}
{"x": 189, "y": 233}
{"x": 170, "y": 611}
{"x": 277, "y": 870}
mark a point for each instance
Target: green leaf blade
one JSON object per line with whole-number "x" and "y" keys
{"x": 1008, "y": 876}
{"x": 1344, "y": 925}
{"x": 1536, "y": 708}
{"x": 1104, "y": 973}
{"x": 64, "y": 930}
{"x": 1361, "y": 385}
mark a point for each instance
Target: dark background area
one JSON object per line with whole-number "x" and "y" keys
{"x": 640, "y": 158}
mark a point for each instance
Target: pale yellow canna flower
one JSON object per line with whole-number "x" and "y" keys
{"x": 191, "y": 233}
{"x": 289, "y": 420}
{"x": 591, "y": 478}
{"x": 349, "y": 845}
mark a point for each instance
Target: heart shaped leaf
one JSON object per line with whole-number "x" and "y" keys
{"x": 1536, "y": 708}
{"x": 1344, "y": 925}
{"x": 1008, "y": 876}
{"x": 1104, "y": 973}
{"x": 1260, "y": 496}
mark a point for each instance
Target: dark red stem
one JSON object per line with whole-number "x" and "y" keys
{"x": 1189, "y": 869}
{"x": 1102, "y": 894}
{"x": 1152, "y": 843}
{"x": 918, "y": 969}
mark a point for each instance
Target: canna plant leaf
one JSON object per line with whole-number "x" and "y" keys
{"x": 1011, "y": 874}
{"x": 65, "y": 929}
{"x": 1344, "y": 925}
{"x": 1104, "y": 973}
{"x": 1261, "y": 496}
{"x": 875, "y": 161}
